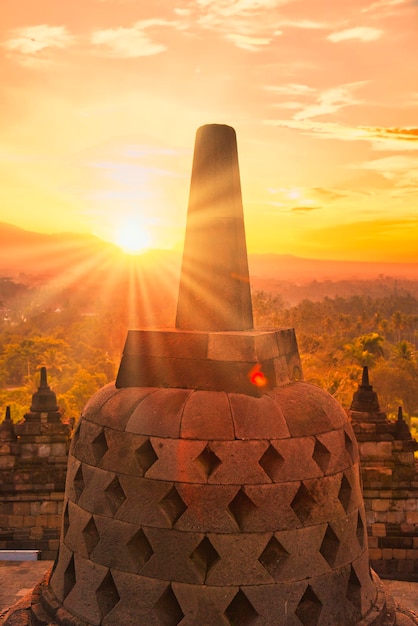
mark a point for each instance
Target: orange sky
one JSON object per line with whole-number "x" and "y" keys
{"x": 101, "y": 99}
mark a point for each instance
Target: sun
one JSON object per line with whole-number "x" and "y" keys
{"x": 132, "y": 238}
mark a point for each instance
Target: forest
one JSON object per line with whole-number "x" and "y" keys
{"x": 81, "y": 345}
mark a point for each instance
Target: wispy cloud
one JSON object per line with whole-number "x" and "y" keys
{"x": 385, "y": 5}
{"x": 398, "y": 134}
{"x": 249, "y": 24}
{"x": 292, "y": 89}
{"x": 304, "y": 209}
{"x": 30, "y": 43}
{"x": 328, "y": 194}
{"x": 247, "y": 42}
{"x": 387, "y": 139}
{"x": 131, "y": 42}
{"x": 240, "y": 7}
{"x": 401, "y": 169}
{"x": 361, "y": 33}
{"x": 329, "y": 101}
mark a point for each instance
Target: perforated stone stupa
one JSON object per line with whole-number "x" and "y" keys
{"x": 210, "y": 485}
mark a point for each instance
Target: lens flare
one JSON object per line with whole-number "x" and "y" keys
{"x": 257, "y": 377}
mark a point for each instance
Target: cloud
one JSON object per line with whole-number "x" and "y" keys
{"x": 182, "y": 12}
{"x": 248, "y": 24}
{"x": 362, "y": 33}
{"x": 131, "y": 42}
{"x": 381, "y": 139}
{"x": 399, "y": 134}
{"x": 329, "y": 101}
{"x": 328, "y": 194}
{"x": 229, "y": 8}
{"x": 292, "y": 89}
{"x": 304, "y": 208}
{"x": 247, "y": 42}
{"x": 34, "y": 39}
{"x": 303, "y": 24}
{"x": 402, "y": 169}
{"x": 384, "y": 5}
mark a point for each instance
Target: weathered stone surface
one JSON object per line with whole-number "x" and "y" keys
{"x": 95, "y": 403}
{"x": 159, "y": 414}
{"x": 307, "y": 410}
{"x": 259, "y": 418}
{"x": 206, "y": 416}
{"x": 117, "y": 407}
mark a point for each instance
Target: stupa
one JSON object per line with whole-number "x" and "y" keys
{"x": 33, "y": 464}
{"x": 210, "y": 485}
{"x": 390, "y": 484}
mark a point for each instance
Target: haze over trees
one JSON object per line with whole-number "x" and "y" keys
{"x": 71, "y": 306}
{"x": 80, "y": 339}
{"x": 338, "y": 336}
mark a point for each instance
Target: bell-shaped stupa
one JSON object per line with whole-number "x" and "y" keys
{"x": 210, "y": 485}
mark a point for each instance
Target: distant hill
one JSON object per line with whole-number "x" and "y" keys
{"x": 289, "y": 267}
{"x": 84, "y": 264}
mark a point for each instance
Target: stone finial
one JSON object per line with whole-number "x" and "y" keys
{"x": 214, "y": 346}
{"x": 7, "y": 432}
{"x": 214, "y": 293}
{"x": 365, "y": 377}
{"x": 44, "y": 400}
{"x": 402, "y": 431}
{"x": 365, "y": 398}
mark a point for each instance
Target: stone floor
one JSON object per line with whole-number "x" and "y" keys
{"x": 19, "y": 577}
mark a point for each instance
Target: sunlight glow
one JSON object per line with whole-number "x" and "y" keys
{"x": 132, "y": 237}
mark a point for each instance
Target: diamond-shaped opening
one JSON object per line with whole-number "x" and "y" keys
{"x": 241, "y": 612}
{"x": 168, "y": 609}
{"x": 349, "y": 446}
{"x": 354, "y": 589}
{"x": 360, "y": 530}
{"x": 57, "y": 559}
{"x": 302, "y": 503}
{"x": 272, "y": 462}
{"x": 344, "y": 494}
{"x": 146, "y": 456}
{"x": 309, "y": 608}
{"x": 115, "y": 495}
{"x": 241, "y": 508}
{"x": 204, "y": 557}
{"x": 321, "y": 455}
{"x": 273, "y": 557}
{"x": 65, "y": 521}
{"x": 69, "y": 577}
{"x": 140, "y": 548}
{"x": 75, "y": 437}
{"x": 78, "y": 483}
{"x": 329, "y": 546}
{"x": 99, "y": 446}
{"x": 208, "y": 461}
{"x": 107, "y": 595}
{"x": 173, "y": 505}
{"x": 90, "y": 535}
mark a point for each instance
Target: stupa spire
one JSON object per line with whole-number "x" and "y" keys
{"x": 365, "y": 377}
{"x": 214, "y": 291}
{"x": 44, "y": 400}
{"x": 365, "y": 398}
{"x": 7, "y": 428}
